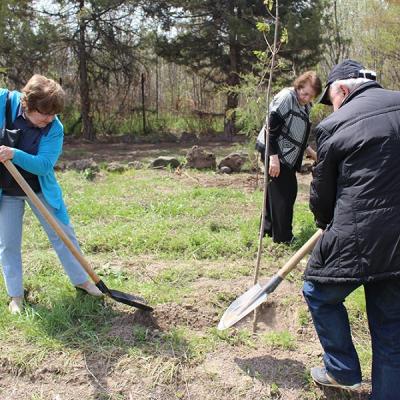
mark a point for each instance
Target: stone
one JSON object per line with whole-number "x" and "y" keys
{"x": 188, "y": 137}
{"x": 163, "y": 162}
{"x": 135, "y": 164}
{"x": 82, "y": 165}
{"x": 115, "y": 167}
{"x": 199, "y": 158}
{"x": 234, "y": 161}
{"x": 225, "y": 170}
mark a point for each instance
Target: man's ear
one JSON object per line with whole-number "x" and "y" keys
{"x": 344, "y": 90}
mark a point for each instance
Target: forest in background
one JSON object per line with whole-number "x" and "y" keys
{"x": 136, "y": 68}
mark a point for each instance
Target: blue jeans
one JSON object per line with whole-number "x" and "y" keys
{"x": 325, "y": 302}
{"x": 11, "y": 219}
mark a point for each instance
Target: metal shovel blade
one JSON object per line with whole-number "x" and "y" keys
{"x": 242, "y": 306}
{"x": 130, "y": 300}
{"x": 248, "y": 301}
{"x": 125, "y": 298}
{"x": 251, "y": 299}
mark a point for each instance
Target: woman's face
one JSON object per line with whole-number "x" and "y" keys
{"x": 305, "y": 94}
{"x": 38, "y": 119}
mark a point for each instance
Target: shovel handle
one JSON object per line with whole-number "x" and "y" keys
{"x": 298, "y": 256}
{"x": 50, "y": 219}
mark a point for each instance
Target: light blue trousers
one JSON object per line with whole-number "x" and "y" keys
{"x": 11, "y": 220}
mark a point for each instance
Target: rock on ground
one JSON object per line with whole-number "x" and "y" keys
{"x": 234, "y": 161}
{"x": 200, "y": 159}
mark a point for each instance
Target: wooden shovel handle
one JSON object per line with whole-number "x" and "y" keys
{"x": 50, "y": 219}
{"x": 298, "y": 256}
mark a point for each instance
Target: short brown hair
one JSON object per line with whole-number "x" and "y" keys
{"x": 310, "y": 77}
{"x": 43, "y": 95}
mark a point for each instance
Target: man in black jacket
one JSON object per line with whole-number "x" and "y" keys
{"x": 355, "y": 197}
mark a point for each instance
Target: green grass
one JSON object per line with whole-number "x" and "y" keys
{"x": 142, "y": 214}
{"x": 112, "y": 124}
{"x": 303, "y": 316}
{"x": 283, "y": 340}
{"x": 235, "y": 337}
{"x": 151, "y": 233}
{"x": 135, "y": 213}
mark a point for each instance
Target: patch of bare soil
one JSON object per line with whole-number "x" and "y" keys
{"x": 244, "y": 180}
{"x": 279, "y": 313}
{"x": 303, "y": 181}
{"x": 239, "y": 372}
{"x": 170, "y": 315}
{"x": 107, "y": 152}
{"x": 264, "y": 373}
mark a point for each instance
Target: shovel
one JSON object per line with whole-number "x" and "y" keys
{"x": 121, "y": 297}
{"x": 257, "y": 294}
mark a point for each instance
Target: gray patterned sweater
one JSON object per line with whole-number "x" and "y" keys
{"x": 289, "y": 128}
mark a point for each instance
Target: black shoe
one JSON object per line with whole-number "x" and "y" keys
{"x": 267, "y": 233}
{"x": 287, "y": 242}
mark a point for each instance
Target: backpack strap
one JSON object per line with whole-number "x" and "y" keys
{"x": 9, "y": 123}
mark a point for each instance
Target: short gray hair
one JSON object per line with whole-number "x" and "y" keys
{"x": 351, "y": 83}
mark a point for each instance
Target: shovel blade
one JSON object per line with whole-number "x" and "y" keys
{"x": 129, "y": 299}
{"x": 125, "y": 298}
{"x": 242, "y": 306}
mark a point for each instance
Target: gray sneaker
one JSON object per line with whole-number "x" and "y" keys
{"x": 321, "y": 376}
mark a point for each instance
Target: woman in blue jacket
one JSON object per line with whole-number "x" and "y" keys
{"x": 33, "y": 112}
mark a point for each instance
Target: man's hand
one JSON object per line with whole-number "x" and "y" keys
{"x": 274, "y": 166}
{"x": 311, "y": 153}
{"x": 6, "y": 153}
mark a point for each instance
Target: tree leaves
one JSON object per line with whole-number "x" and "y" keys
{"x": 263, "y": 27}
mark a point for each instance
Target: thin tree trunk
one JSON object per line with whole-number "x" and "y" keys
{"x": 337, "y": 34}
{"x": 233, "y": 78}
{"x": 87, "y": 123}
{"x": 143, "y": 105}
{"x": 275, "y": 50}
{"x": 157, "y": 78}
{"x": 230, "y": 117}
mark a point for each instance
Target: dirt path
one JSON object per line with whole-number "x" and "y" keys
{"x": 105, "y": 152}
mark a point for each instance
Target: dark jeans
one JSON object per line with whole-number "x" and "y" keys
{"x": 281, "y": 195}
{"x": 325, "y": 302}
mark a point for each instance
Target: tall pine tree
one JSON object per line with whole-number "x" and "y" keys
{"x": 218, "y": 38}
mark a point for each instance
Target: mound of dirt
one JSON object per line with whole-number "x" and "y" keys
{"x": 170, "y": 315}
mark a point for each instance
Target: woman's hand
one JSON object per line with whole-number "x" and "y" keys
{"x": 274, "y": 166}
{"x": 6, "y": 153}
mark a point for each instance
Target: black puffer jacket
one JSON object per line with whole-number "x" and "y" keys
{"x": 356, "y": 189}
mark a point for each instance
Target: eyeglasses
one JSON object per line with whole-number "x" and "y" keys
{"x": 45, "y": 114}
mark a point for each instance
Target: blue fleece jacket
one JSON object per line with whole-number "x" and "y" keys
{"x": 42, "y": 164}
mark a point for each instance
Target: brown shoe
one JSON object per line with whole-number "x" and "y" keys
{"x": 16, "y": 305}
{"x": 90, "y": 288}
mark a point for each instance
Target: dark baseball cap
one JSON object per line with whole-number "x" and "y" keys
{"x": 347, "y": 69}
